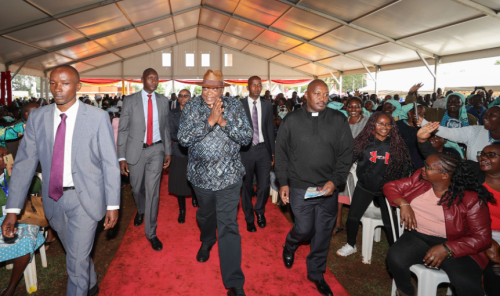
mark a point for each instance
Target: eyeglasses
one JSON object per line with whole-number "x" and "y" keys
{"x": 381, "y": 125}
{"x": 489, "y": 155}
{"x": 428, "y": 168}
{"x": 212, "y": 89}
{"x": 184, "y": 96}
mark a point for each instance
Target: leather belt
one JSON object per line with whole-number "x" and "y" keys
{"x": 144, "y": 145}
{"x": 261, "y": 143}
{"x": 68, "y": 188}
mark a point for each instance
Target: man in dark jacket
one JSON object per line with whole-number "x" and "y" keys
{"x": 313, "y": 151}
{"x": 258, "y": 156}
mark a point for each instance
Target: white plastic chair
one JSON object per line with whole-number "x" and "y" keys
{"x": 428, "y": 279}
{"x": 372, "y": 221}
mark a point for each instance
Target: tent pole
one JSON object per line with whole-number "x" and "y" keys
{"x": 436, "y": 66}
{"x": 41, "y": 86}
{"x": 269, "y": 83}
{"x": 340, "y": 84}
{"x": 376, "y": 80}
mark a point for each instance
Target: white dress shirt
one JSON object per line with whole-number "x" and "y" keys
{"x": 259, "y": 114}
{"x": 173, "y": 104}
{"x": 71, "y": 114}
{"x": 156, "y": 123}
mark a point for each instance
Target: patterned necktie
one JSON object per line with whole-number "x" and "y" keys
{"x": 57, "y": 168}
{"x": 255, "y": 119}
{"x": 149, "y": 139}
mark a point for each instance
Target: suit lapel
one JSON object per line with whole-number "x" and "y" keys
{"x": 141, "y": 107}
{"x": 49, "y": 127}
{"x": 81, "y": 120}
{"x": 247, "y": 111}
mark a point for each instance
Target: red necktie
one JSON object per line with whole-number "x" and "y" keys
{"x": 149, "y": 139}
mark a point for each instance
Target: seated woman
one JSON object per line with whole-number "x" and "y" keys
{"x": 455, "y": 114}
{"x": 381, "y": 156}
{"x": 445, "y": 209}
{"x": 487, "y": 172}
{"x": 28, "y": 239}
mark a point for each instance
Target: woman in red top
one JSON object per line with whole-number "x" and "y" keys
{"x": 487, "y": 171}
{"x": 466, "y": 233}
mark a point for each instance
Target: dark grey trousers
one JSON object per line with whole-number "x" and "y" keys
{"x": 145, "y": 177}
{"x": 76, "y": 230}
{"x": 258, "y": 162}
{"x": 314, "y": 221}
{"x": 217, "y": 218}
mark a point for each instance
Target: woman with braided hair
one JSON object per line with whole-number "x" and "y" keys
{"x": 444, "y": 207}
{"x": 382, "y": 156}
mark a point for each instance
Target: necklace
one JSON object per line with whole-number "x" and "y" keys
{"x": 356, "y": 121}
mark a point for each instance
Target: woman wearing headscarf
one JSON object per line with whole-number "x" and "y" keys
{"x": 394, "y": 107}
{"x": 177, "y": 176}
{"x": 455, "y": 113}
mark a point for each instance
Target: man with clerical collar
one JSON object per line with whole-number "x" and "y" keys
{"x": 214, "y": 128}
{"x": 313, "y": 157}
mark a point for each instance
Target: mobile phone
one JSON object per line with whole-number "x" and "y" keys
{"x": 415, "y": 107}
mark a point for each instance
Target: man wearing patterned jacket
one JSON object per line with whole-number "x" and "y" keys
{"x": 214, "y": 128}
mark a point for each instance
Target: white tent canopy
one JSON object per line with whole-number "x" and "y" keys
{"x": 309, "y": 38}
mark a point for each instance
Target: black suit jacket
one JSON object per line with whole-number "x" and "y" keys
{"x": 267, "y": 126}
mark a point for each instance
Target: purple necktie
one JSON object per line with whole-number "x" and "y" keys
{"x": 57, "y": 169}
{"x": 255, "y": 119}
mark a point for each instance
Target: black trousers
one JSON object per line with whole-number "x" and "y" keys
{"x": 361, "y": 199}
{"x": 314, "y": 221}
{"x": 256, "y": 161}
{"x": 464, "y": 272}
{"x": 217, "y": 219}
{"x": 491, "y": 280}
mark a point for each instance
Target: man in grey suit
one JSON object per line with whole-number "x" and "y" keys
{"x": 144, "y": 149}
{"x": 75, "y": 145}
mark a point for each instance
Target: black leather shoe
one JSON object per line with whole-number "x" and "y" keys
{"x": 288, "y": 257}
{"x": 236, "y": 292}
{"x": 251, "y": 227}
{"x": 182, "y": 216}
{"x": 156, "y": 244}
{"x": 261, "y": 220}
{"x": 203, "y": 253}
{"x": 322, "y": 287}
{"x": 194, "y": 201}
{"x": 94, "y": 291}
{"x": 138, "y": 219}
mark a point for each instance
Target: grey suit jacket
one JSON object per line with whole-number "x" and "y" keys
{"x": 132, "y": 127}
{"x": 95, "y": 169}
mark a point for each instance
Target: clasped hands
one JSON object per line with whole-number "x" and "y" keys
{"x": 216, "y": 114}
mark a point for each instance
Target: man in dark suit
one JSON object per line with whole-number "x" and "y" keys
{"x": 75, "y": 145}
{"x": 144, "y": 149}
{"x": 258, "y": 156}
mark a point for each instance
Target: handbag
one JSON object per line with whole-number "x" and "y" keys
{"x": 33, "y": 213}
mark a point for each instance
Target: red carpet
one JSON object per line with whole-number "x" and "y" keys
{"x": 138, "y": 270}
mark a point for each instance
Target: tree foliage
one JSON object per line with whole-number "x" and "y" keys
{"x": 349, "y": 82}
{"x": 25, "y": 83}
